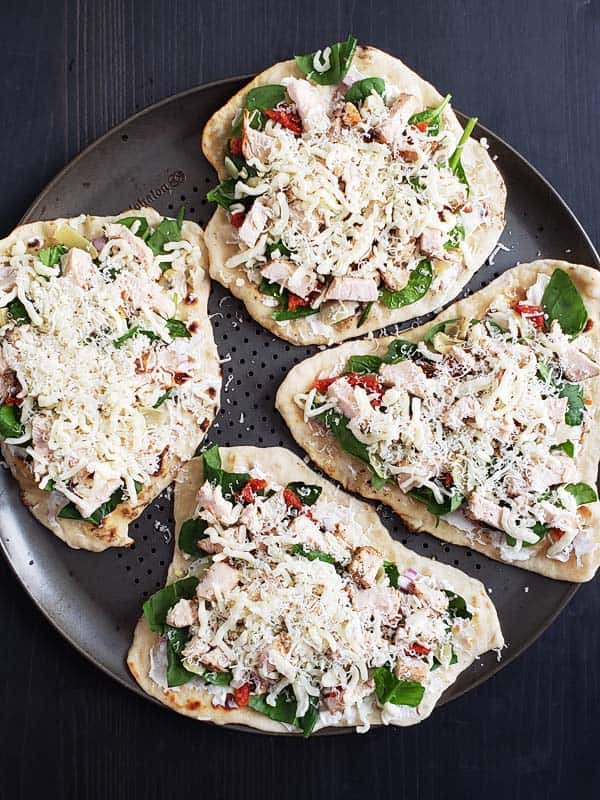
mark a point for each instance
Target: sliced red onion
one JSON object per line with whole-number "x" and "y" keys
{"x": 99, "y": 242}
{"x": 406, "y": 580}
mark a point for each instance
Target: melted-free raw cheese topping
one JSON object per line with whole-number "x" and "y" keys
{"x": 487, "y": 416}
{"x": 95, "y": 367}
{"x": 338, "y": 203}
{"x": 299, "y": 612}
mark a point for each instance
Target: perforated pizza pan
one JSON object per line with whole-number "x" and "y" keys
{"x": 154, "y": 158}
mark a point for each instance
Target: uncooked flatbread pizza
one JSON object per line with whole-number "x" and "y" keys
{"x": 350, "y": 196}
{"x": 481, "y": 428}
{"x": 289, "y": 608}
{"x": 109, "y": 374}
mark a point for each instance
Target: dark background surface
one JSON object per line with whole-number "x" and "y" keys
{"x": 71, "y": 70}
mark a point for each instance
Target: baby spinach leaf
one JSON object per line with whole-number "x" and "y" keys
{"x": 279, "y": 249}
{"x": 391, "y": 570}
{"x": 230, "y": 482}
{"x": 223, "y": 194}
{"x": 134, "y": 331}
{"x": 169, "y": 230}
{"x": 297, "y": 313}
{"x": 437, "y": 663}
{"x": 307, "y": 493}
{"x": 338, "y": 425}
{"x": 191, "y": 532}
{"x": 562, "y": 302}
{"x": 50, "y": 256}
{"x": 364, "y": 365}
{"x": 390, "y": 689}
{"x": 309, "y": 720}
{"x": 177, "y": 329}
{"x": 143, "y": 229}
{"x": 284, "y": 709}
{"x": 567, "y": 447}
{"x": 177, "y": 638}
{"x": 582, "y": 492}
{"x": 312, "y": 555}
{"x": 539, "y": 529}
{"x": 360, "y": 90}
{"x": 18, "y": 312}
{"x": 10, "y": 422}
{"x": 455, "y": 162}
{"x": 457, "y": 606}
{"x": 455, "y": 237}
{"x": 218, "y": 678}
{"x": 417, "y": 287}
{"x": 575, "y": 405}
{"x": 157, "y": 606}
{"x": 364, "y": 314}
{"x": 340, "y": 58}
{"x": 439, "y": 326}
{"x": 433, "y": 116}
{"x": 263, "y": 97}
{"x": 272, "y": 289}
{"x": 399, "y": 350}
{"x": 425, "y": 495}
{"x": 70, "y": 511}
{"x": 162, "y": 399}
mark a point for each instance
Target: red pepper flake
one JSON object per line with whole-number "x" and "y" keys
{"x": 235, "y": 146}
{"x": 323, "y": 384}
{"x": 289, "y": 119}
{"x": 291, "y": 499}
{"x": 254, "y": 485}
{"x": 295, "y": 301}
{"x": 12, "y": 401}
{"x": 368, "y": 382}
{"x": 533, "y": 313}
{"x": 241, "y": 695}
{"x": 237, "y": 219}
{"x": 422, "y": 126}
{"x": 555, "y": 534}
{"x": 420, "y": 649}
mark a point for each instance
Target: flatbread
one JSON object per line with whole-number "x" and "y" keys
{"x": 356, "y": 476}
{"x": 113, "y": 530}
{"x": 478, "y": 165}
{"x": 283, "y": 466}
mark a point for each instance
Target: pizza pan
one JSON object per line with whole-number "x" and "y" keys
{"x": 154, "y": 158}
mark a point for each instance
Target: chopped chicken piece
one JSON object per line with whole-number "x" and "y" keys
{"x": 334, "y": 700}
{"x": 343, "y": 395}
{"x": 292, "y": 277}
{"x": 395, "y": 276}
{"x": 431, "y": 243}
{"x": 556, "y": 408}
{"x": 364, "y": 566}
{"x": 408, "y": 376}
{"x": 41, "y": 427}
{"x": 550, "y": 471}
{"x": 384, "y": 600}
{"x": 215, "y": 660}
{"x": 183, "y": 614}
{"x": 211, "y": 498}
{"x": 8, "y": 275}
{"x": 136, "y": 245}
{"x": 351, "y": 115}
{"x": 483, "y": 510}
{"x": 466, "y": 408}
{"x": 218, "y": 581}
{"x": 311, "y": 104}
{"x": 412, "y": 669}
{"x": 255, "y": 144}
{"x": 77, "y": 265}
{"x": 390, "y": 131}
{"x": 363, "y": 290}
{"x": 210, "y": 547}
{"x": 254, "y": 222}
{"x": 577, "y": 366}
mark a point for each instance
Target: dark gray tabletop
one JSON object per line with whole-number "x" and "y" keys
{"x": 69, "y": 71}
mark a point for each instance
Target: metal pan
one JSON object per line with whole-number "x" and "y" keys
{"x": 154, "y": 158}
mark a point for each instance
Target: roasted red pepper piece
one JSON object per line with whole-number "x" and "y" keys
{"x": 422, "y": 126}
{"x": 237, "y": 219}
{"x": 241, "y": 695}
{"x": 323, "y": 384}
{"x": 420, "y": 649}
{"x": 368, "y": 382}
{"x": 235, "y": 146}
{"x": 534, "y": 313}
{"x": 295, "y": 301}
{"x": 291, "y": 499}
{"x": 289, "y": 119}
{"x": 251, "y": 488}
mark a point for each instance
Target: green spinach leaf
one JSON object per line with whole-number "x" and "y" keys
{"x": 391, "y": 570}
{"x": 309, "y": 720}
{"x": 340, "y": 59}
{"x": 218, "y": 678}
{"x": 10, "y": 422}
{"x": 312, "y": 555}
{"x": 360, "y": 90}
{"x": 540, "y": 531}
{"x": 157, "y": 606}
{"x": 567, "y": 447}
{"x": 177, "y": 638}
{"x": 162, "y": 398}
{"x": 457, "y": 606}
{"x": 364, "y": 314}
{"x": 575, "y": 405}
{"x": 455, "y": 237}
{"x": 279, "y": 249}
{"x": 455, "y": 160}
{"x": 432, "y": 116}
{"x": 390, "y": 689}
{"x": 70, "y": 511}
{"x": 439, "y": 326}
{"x": 307, "y": 493}
{"x": 134, "y": 331}
{"x": 400, "y": 350}
{"x": 223, "y": 194}
{"x": 582, "y": 492}
{"x": 284, "y": 709}
{"x": 18, "y": 312}
{"x": 143, "y": 230}
{"x": 230, "y": 482}
{"x": 263, "y": 97}
{"x": 177, "y": 329}
{"x": 425, "y": 495}
{"x": 417, "y": 287}
{"x": 192, "y": 531}
{"x": 364, "y": 365}
{"x": 50, "y": 256}
{"x": 169, "y": 230}
{"x": 562, "y": 302}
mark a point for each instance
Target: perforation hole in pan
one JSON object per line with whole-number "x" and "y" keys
{"x": 95, "y": 599}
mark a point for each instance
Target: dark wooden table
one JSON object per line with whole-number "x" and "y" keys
{"x": 530, "y": 69}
